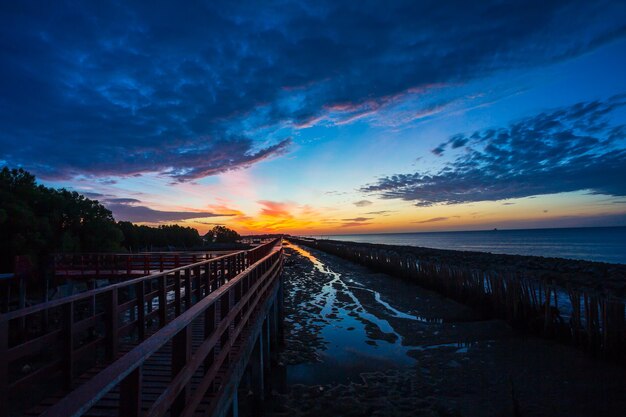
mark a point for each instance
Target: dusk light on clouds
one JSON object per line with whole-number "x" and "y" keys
{"x": 322, "y": 117}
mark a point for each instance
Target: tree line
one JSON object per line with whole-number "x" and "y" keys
{"x": 36, "y": 221}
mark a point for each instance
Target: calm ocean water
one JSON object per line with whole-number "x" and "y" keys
{"x": 602, "y": 244}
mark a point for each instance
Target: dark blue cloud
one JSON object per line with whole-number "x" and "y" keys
{"x": 124, "y": 88}
{"x": 569, "y": 149}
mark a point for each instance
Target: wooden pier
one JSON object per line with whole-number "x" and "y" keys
{"x": 176, "y": 342}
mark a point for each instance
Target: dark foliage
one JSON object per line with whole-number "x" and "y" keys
{"x": 221, "y": 234}
{"x": 36, "y": 220}
{"x": 163, "y": 237}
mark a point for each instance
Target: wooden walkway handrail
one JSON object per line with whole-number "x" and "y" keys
{"x": 94, "y": 265}
{"x": 249, "y": 284}
{"x": 91, "y": 293}
{"x": 90, "y": 326}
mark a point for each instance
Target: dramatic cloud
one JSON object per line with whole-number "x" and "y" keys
{"x": 363, "y": 203}
{"x": 569, "y": 149}
{"x": 129, "y": 209}
{"x": 127, "y": 88}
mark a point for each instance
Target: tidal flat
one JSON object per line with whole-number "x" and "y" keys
{"x": 362, "y": 343}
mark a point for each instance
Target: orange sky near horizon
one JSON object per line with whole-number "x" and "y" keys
{"x": 393, "y": 217}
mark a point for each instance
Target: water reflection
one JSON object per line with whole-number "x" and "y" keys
{"x": 357, "y": 338}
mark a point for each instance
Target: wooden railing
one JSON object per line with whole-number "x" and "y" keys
{"x": 95, "y": 265}
{"x": 226, "y": 313}
{"x": 67, "y": 336}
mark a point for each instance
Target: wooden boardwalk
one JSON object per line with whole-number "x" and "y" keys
{"x": 181, "y": 354}
{"x": 157, "y": 372}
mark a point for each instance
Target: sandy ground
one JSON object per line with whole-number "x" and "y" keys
{"x": 360, "y": 343}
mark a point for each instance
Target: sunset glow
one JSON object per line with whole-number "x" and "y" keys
{"x": 321, "y": 120}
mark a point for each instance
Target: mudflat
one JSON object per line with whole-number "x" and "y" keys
{"x": 361, "y": 343}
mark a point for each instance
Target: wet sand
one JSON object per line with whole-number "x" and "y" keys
{"x": 361, "y": 343}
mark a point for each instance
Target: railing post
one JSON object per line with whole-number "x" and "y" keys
{"x": 4, "y": 368}
{"x": 163, "y": 300}
{"x": 210, "y": 322}
{"x": 130, "y": 394}
{"x": 113, "y": 321}
{"x": 207, "y": 279}
{"x": 217, "y": 316}
{"x": 181, "y": 353}
{"x": 257, "y": 374}
{"x": 177, "y": 300}
{"x": 188, "y": 288}
{"x": 273, "y": 336}
{"x": 149, "y": 287}
{"x": 198, "y": 273}
{"x": 213, "y": 276}
{"x": 265, "y": 330}
{"x": 68, "y": 356}
{"x": 141, "y": 311}
{"x": 231, "y": 326}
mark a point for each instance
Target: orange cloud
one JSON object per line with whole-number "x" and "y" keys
{"x": 275, "y": 208}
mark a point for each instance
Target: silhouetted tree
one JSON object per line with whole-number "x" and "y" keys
{"x": 36, "y": 220}
{"x": 222, "y": 234}
{"x": 138, "y": 237}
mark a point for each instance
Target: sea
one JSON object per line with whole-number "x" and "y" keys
{"x": 600, "y": 244}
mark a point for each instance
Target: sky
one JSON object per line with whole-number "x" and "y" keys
{"x": 324, "y": 117}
